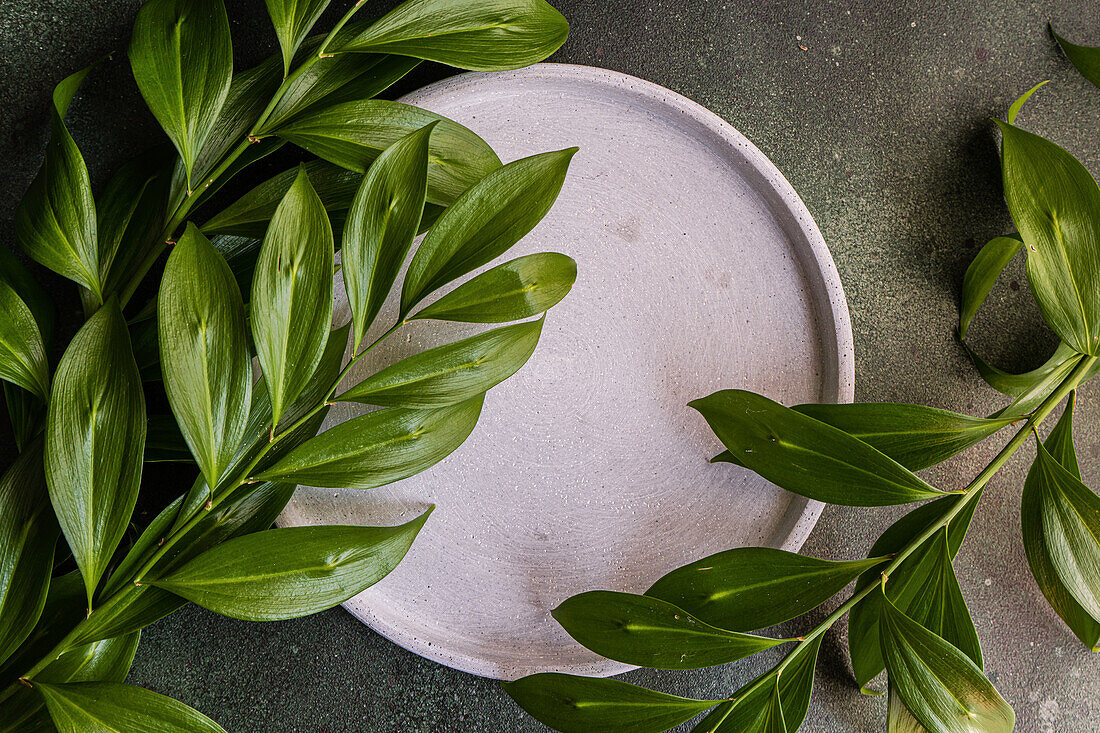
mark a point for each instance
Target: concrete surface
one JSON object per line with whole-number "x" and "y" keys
{"x": 878, "y": 114}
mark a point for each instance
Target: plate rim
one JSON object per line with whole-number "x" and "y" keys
{"x": 844, "y": 350}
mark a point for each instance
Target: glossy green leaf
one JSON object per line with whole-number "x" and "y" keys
{"x": 28, "y": 534}
{"x": 452, "y": 373}
{"x": 1060, "y": 520}
{"x": 520, "y": 288}
{"x": 1085, "y": 58}
{"x": 205, "y": 357}
{"x": 485, "y": 222}
{"x": 1042, "y": 379}
{"x": 181, "y": 55}
{"x": 1060, "y": 441}
{"x": 292, "y": 287}
{"x": 898, "y": 717}
{"x": 382, "y": 223}
{"x": 940, "y": 686}
{"x": 913, "y": 435}
{"x": 22, "y": 349}
{"x": 108, "y": 707}
{"x": 779, "y": 694}
{"x": 65, "y": 607}
{"x": 648, "y": 632}
{"x": 56, "y": 221}
{"x": 95, "y": 437}
{"x": 378, "y": 448}
{"x": 807, "y": 456}
{"x": 574, "y": 704}
{"x": 489, "y": 35}
{"x": 15, "y": 274}
{"x": 287, "y": 573}
{"x": 352, "y": 134}
{"x": 923, "y": 586}
{"x": 293, "y": 20}
{"x": 1055, "y": 204}
{"x": 751, "y": 588}
{"x": 26, "y": 412}
{"x": 1015, "y": 107}
{"x": 982, "y": 274}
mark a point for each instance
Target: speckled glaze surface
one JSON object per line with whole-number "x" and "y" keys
{"x": 699, "y": 269}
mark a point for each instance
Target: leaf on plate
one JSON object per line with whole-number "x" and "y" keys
{"x": 292, "y": 572}
{"x": 913, "y": 435}
{"x": 205, "y": 357}
{"x": 575, "y": 704}
{"x": 485, "y": 222}
{"x": 1085, "y": 58}
{"x": 807, "y": 456}
{"x": 452, "y": 373}
{"x": 519, "y": 288}
{"x": 751, "y": 588}
{"x": 990, "y": 261}
{"x": 181, "y": 55}
{"x": 95, "y": 438}
{"x": 84, "y": 707}
{"x": 382, "y": 223}
{"x": 292, "y": 288}
{"x": 489, "y": 35}
{"x": 378, "y": 448}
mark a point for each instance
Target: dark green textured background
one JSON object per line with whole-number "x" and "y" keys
{"x": 881, "y": 123}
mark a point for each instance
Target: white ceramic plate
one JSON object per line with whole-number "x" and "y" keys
{"x": 699, "y": 269}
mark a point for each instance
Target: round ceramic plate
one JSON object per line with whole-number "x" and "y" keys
{"x": 699, "y": 269}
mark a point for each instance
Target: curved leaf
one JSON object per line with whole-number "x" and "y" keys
{"x": 205, "y": 358}
{"x": 28, "y": 534}
{"x": 485, "y": 222}
{"x": 982, "y": 273}
{"x": 382, "y": 223}
{"x": 287, "y": 573}
{"x": 293, "y": 20}
{"x": 806, "y": 456}
{"x": 378, "y": 448}
{"x": 22, "y": 350}
{"x": 489, "y": 35}
{"x": 520, "y": 288}
{"x": 940, "y": 686}
{"x": 574, "y": 704}
{"x": 913, "y": 435}
{"x": 1085, "y": 58}
{"x": 56, "y": 221}
{"x": 95, "y": 438}
{"x": 292, "y": 287}
{"x": 15, "y": 274}
{"x": 1055, "y": 204}
{"x": 353, "y": 134}
{"x": 1015, "y": 107}
{"x": 452, "y": 373}
{"x": 181, "y": 55}
{"x": 106, "y": 707}
{"x": 751, "y": 588}
{"x": 649, "y": 632}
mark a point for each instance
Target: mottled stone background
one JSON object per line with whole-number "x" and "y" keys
{"x": 878, "y": 113}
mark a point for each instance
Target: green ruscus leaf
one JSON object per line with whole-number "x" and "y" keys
{"x": 751, "y": 588}
{"x": 103, "y": 707}
{"x": 292, "y": 289}
{"x": 352, "y": 134}
{"x": 1085, "y": 58}
{"x": 287, "y": 573}
{"x": 28, "y": 534}
{"x": 95, "y": 437}
{"x": 1055, "y": 204}
{"x": 382, "y": 223}
{"x": 378, "y": 448}
{"x": 56, "y": 221}
{"x": 649, "y": 632}
{"x": 452, "y": 373}
{"x": 181, "y": 55}
{"x": 807, "y": 456}
{"x": 943, "y": 689}
{"x": 489, "y": 35}
{"x": 982, "y": 273}
{"x": 22, "y": 349}
{"x": 293, "y": 20}
{"x": 519, "y": 288}
{"x": 913, "y": 435}
{"x": 574, "y": 704}
{"x": 205, "y": 358}
{"x": 485, "y": 222}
